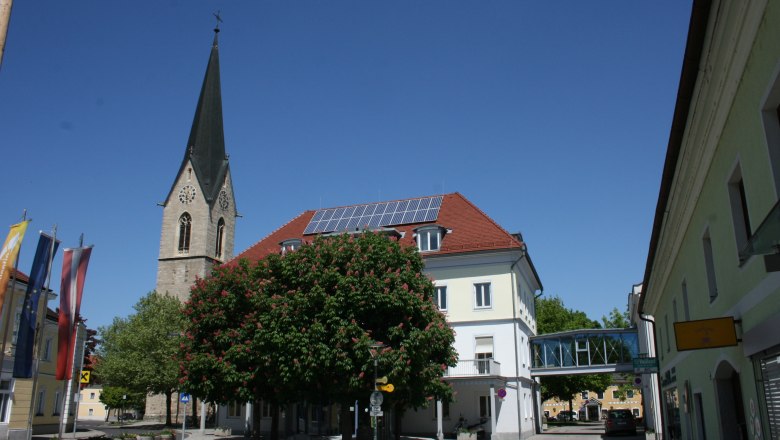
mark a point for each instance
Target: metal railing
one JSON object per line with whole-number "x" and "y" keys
{"x": 474, "y": 368}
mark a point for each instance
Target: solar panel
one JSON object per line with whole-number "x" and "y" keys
{"x": 374, "y": 215}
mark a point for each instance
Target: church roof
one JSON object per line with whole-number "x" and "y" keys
{"x": 206, "y": 144}
{"x": 469, "y": 230}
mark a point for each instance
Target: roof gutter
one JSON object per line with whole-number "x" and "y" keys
{"x": 697, "y": 30}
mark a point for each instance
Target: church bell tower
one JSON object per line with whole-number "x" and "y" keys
{"x": 199, "y": 213}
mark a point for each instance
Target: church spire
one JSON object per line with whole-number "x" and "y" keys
{"x": 206, "y": 144}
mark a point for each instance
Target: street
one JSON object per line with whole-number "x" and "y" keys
{"x": 584, "y": 431}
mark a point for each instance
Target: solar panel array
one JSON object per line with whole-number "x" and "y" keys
{"x": 374, "y": 215}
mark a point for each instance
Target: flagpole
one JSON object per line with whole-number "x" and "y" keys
{"x": 78, "y": 382}
{"x": 68, "y": 383}
{"x": 40, "y": 330}
{"x": 10, "y": 307}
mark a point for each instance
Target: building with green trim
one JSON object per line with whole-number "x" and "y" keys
{"x": 714, "y": 250}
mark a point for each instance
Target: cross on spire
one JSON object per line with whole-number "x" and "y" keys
{"x": 219, "y": 20}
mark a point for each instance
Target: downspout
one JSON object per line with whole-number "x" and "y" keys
{"x": 514, "y": 331}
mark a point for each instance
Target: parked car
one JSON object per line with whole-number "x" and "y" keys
{"x": 567, "y": 416}
{"x": 619, "y": 421}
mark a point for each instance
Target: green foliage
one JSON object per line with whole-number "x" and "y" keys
{"x": 121, "y": 397}
{"x": 616, "y": 319}
{"x": 301, "y": 325}
{"x": 138, "y": 353}
{"x": 552, "y": 316}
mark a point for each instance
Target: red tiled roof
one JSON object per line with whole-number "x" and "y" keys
{"x": 20, "y": 276}
{"x": 472, "y": 231}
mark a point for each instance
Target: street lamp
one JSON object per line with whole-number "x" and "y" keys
{"x": 376, "y": 395}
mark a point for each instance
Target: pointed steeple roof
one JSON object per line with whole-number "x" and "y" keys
{"x": 206, "y": 145}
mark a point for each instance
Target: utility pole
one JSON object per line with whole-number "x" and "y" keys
{"x": 5, "y": 18}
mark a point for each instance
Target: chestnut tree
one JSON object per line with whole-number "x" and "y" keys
{"x": 309, "y": 324}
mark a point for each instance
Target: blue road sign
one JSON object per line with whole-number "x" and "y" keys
{"x": 184, "y": 398}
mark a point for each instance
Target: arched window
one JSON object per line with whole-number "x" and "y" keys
{"x": 185, "y": 230}
{"x": 220, "y": 237}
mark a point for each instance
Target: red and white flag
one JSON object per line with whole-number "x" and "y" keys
{"x": 74, "y": 270}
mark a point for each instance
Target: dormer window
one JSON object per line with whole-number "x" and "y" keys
{"x": 429, "y": 238}
{"x": 290, "y": 245}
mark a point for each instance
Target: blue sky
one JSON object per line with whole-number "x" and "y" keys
{"x": 552, "y": 116}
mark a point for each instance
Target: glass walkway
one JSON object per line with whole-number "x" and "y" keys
{"x": 584, "y": 352}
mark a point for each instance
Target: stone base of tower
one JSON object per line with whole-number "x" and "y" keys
{"x": 155, "y": 409}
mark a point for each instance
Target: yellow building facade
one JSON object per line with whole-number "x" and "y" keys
{"x": 37, "y": 403}
{"x": 90, "y": 406}
{"x": 592, "y": 406}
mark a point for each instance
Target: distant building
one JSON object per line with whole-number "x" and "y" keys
{"x": 485, "y": 285}
{"x": 712, "y": 281}
{"x": 651, "y": 400}
{"x": 591, "y": 405}
{"x": 90, "y": 406}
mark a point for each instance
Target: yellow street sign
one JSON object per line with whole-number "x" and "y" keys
{"x": 382, "y": 379}
{"x": 85, "y": 377}
{"x": 387, "y": 388}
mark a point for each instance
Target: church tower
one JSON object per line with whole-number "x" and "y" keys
{"x": 199, "y": 213}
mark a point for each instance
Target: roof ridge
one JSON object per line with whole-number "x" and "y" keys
{"x": 268, "y": 235}
{"x": 490, "y": 219}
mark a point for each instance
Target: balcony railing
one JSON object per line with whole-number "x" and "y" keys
{"x": 474, "y": 368}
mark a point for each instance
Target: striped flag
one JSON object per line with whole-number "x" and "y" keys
{"x": 74, "y": 270}
{"x": 8, "y": 256}
{"x": 25, "y": 341}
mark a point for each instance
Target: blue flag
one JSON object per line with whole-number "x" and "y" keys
{"x": 25, "y": 341}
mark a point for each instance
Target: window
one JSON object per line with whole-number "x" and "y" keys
{"x": 484, "y": 406}
{"x": 185, "y": 230}
{"x": 600, "y": 395}
{"x": 709, "y": 265}
{"x": 5, "y": 400}
{"x": 91, "y": 396}
{"x": 771, "y": 115}
{"x": 290, "y": 245}
{"x": 482, "y": 299}
{"x": 220, "y": 238}
{"x": 584, "y": 395}
{"x": 429, "y": 238}
{"x": 635, "y": 411}
{"x": 17, "y": 321}
{"x": 666, "y": 325}
{"x": 47, "y": 350}
{"x": 739, "y": 209}
{"x": 265, "y": 409}
{"x": 441, "y": 297}
{"x": 41, "y": 403}
{"x": 483, "y": 351}
{"x": 91, "y": 411}
{"x": 686, "y": 309}
{"x": 234, "y": 409}
{"x": 615, "y": 394}
{"x": 56, "y": 411}
{"x": 630, "y": 394}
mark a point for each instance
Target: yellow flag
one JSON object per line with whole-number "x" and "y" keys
{"x": 8, "y": 255}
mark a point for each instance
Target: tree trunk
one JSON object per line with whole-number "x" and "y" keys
{"x": 168, "y": 399}
{"x": 397, "y": 416}
{"x": 345, "y": 421}
{"x": 257, "y": 417}
{"x": 194, "y": 411}
{"x": 274, "y": 421}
